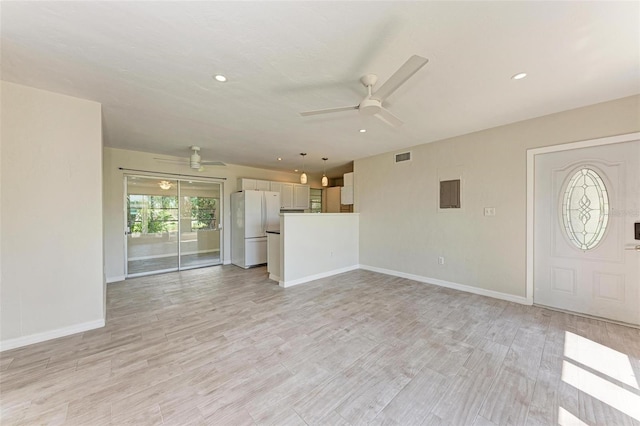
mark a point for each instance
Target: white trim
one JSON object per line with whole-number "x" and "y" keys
{"x": 274, "y": 278}
{"x": 115, "y": 279}
{"x": 448, "y": 284}
{"x": 308, "y": 278}
{"x": 531, "y": 153}
{"x": 49, "y": 335}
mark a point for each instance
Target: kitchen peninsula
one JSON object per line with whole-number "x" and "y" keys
{"x": 310, "y": 246}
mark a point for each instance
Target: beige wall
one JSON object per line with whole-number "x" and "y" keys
{"x": 51, "y": 282}
{"x": 114, "y": 197}
{"x": 402, "y": 230}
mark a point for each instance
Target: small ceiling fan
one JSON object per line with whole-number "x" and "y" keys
{"x": 194, "y": 161}
{"x": 372, "y": 103}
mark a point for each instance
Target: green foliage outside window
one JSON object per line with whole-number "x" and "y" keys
{"x": 149, "y": 214}
{"x": 201, "y": 210}
{"x": 152, "y": 214}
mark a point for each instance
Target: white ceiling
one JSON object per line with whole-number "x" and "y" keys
{"x": 151, "y": 64}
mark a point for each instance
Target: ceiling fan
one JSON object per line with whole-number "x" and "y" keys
{"x": 372, "y": 103}
{"x": 194, "y": 161}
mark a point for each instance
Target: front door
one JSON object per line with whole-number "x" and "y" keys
{"x": 586, "y": 203}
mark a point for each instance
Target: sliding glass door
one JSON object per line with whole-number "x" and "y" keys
{"x": 199, "y": 224}
{"x": 172, "y": 224}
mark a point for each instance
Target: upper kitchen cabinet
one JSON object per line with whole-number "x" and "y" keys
{"x": 245, "y": 184}
{"x": 286, "y": 194}
{"x": 293, "y": 196}
{"x": 346, "y": 192}
{"x": 301, "y": 195}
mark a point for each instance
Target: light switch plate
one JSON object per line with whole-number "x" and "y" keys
{"x": 489, "y": 211}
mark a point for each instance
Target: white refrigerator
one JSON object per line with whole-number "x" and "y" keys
{"x": 253, "y": 213}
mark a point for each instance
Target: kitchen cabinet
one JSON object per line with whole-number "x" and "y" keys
{"x": 346, "y": 192}
{"x": 276, "y": 187}
{"x": 347, "y": 179}
{"x": 346, "y": 195}
{"x": 273, "y": 255}
{"x": 301, "y": 195}
{"x": 286, "y": 194}
{"x": 245, "y": 184}
{"x": 293, "y": 196}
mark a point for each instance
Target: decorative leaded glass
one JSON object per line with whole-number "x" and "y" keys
{"x": 585, "y": 209}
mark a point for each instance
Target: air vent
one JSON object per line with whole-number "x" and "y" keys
{"x": 403, "y": 156}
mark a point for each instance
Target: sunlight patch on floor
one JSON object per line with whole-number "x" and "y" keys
{"x": 600, "y": 358}
{"x": 565, "y": 418}
{"x": 601, "y": 389}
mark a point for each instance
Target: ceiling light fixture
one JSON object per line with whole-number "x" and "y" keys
{"x": 303, "y": 176}
{"x": 221, "y": 78}
{"x": 279, "y": 158}
{"x": 325, "y": 179}
{"x": 164, "y": 185}
{"x": 363, "y": 130}
{"x": 519, "y": 76}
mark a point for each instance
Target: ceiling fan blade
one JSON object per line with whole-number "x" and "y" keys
{"x": 213, "y": 163}
{"x": 329, "y": 110}
{"x": 386, "y": 116}
{"x": 403, "y": 74}
{"x": 171, "y": 160}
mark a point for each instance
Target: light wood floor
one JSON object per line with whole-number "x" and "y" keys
{"x": 223, "y": 346}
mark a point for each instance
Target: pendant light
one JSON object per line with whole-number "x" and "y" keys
{"x": 303, "y": 176}
{"x": 325, "y": 179}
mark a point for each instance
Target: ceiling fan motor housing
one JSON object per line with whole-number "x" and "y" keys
{"x": 370, "y": 106}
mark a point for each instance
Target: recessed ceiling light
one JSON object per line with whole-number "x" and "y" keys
{"x": 295, "y": 170}
{"x": 221, "y": 78}
{"x": 279, "y": 158}
{"x": 363, "y": 130}
{"x": 519, "y": 76}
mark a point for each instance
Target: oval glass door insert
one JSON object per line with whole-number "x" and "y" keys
{"x": 585, "y": 209}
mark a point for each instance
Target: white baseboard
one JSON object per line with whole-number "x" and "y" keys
{"x": 18, "y": 342}
{"x": 274, "y": 278}
{"x": 308, "y": 278}
{"x": 442, "y": 283}
{"x": 115, "y": 279}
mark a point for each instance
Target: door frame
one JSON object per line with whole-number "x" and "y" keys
{"x": 531, "y": 157}
{"x": 177, "y": 178}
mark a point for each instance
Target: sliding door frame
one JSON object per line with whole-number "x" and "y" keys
{"x": 178, "y": 179}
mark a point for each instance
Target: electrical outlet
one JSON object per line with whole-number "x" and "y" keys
{"x": 440, "y": 260}
{"x": 489, "y": 211}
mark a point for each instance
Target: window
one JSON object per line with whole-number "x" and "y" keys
{"x": 152, "y": 214}
{"x": 585, "y": 209}
{"x": 316, "y": 200}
